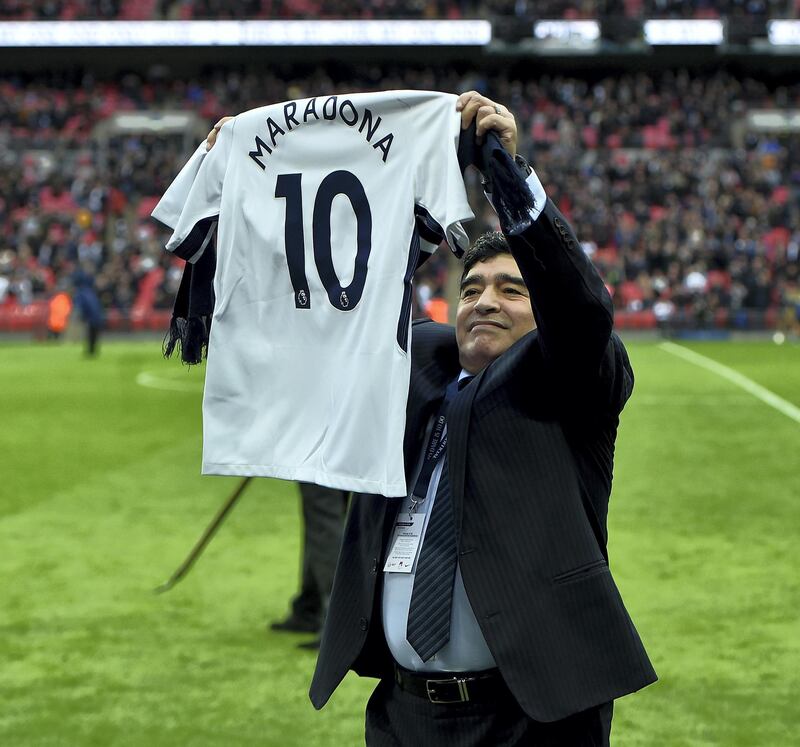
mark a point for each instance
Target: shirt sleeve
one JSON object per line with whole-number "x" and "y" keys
{"x": 191, "y": 204}
{"x": 441, "y": 197}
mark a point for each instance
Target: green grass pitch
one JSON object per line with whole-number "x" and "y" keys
{"x": 101, "y": 498}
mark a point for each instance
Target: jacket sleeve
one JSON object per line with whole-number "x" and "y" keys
{"x": 587, "y": 363}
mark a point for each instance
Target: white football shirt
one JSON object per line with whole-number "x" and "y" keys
{"x": 320, "y": 204}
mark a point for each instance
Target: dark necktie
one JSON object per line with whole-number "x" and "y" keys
{"x": 432, "y": 597}
{"x": 428, "y": 627}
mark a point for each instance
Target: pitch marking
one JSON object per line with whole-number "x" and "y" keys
{"x": 151, "y": 381}
{"x": 750, "y": 386}
{"x": 688, "y": 400}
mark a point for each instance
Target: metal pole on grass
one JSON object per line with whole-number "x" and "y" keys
{"x": 205, "y": 538}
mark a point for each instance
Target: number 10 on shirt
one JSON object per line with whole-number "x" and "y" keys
{"x": 288, "y": 187}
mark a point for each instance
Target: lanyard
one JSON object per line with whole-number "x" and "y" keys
{"x": 437, "y": 444}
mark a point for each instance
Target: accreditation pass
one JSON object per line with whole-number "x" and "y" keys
{"x": 405, "y": 542}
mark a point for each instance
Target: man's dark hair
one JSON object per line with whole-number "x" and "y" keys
{"x": 486, "y": 246}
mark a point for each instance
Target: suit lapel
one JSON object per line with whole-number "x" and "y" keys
{"x": 420, "y": 411}
{"x": 434, "y": 364}
{"x": 458, "y": 417}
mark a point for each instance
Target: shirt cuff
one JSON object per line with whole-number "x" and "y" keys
{"x": 539, "y": 196}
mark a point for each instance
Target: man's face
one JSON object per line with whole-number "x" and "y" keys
{"x": 494, "y": 311}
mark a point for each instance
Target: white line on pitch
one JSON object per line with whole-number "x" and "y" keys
{"x": 151, "y": 381}
{"x": 693, "y": 400}
{"x": 750, "y": 386}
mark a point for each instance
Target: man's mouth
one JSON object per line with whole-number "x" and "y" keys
{"x": 486, "y": 323}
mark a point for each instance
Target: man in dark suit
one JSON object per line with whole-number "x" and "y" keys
{"x": 483, "y": 602}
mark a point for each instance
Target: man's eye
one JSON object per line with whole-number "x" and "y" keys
{"x": 513, "y": 291}
{"x": 467, "y": 292}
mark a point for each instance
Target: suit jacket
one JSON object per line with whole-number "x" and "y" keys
{"x": 531, "y": 447}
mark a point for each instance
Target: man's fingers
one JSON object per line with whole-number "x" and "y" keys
{"x": 211, "y": 138}
{"x": 474, "y": 105}
{"x": 468, "y": 112}
{"x": 498, "y": 118}
{"x": 493, "y": 118}
{"x": 463, "y": 98}
{"x": 469, "y": 104}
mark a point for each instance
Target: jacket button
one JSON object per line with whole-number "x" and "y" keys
{"x": 374, "y": 565}
{"x": 363, "y": 623}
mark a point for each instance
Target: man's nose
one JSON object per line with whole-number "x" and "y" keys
{"x": 488, "y": 301}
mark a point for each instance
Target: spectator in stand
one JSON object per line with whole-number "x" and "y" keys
{"x": 659, "y": 170}
{"x": 523, "y": 10}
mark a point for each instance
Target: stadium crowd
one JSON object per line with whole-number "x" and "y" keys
{"x": 692, "y": 218}
{"x": 308, "y": 9}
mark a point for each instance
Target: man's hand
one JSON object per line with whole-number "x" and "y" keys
{"x": 211, "y": 138}
{"x": 488, "y": 115}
